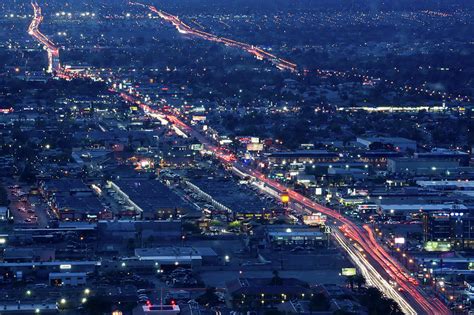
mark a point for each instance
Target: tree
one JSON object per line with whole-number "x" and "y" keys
{"x": 191, "y": 227}
{"x": 96, "y": 305}
{"x": 376, "y": 303}
{"x": 350, "y": 281}
{"x": 319, "y": 302}
{"x": 276, "y": 280}
{"x": 3, "y": 196}
{"x": 209, "y": 298}
{"x": 28, "y": 175}
{"x": 359, "y": 280}
{"x": 234, "y": 225}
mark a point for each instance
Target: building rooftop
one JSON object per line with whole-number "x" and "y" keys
{"x": 148, "y": 253}
{"x": 65, "y": 185}
{"x": 230, "y": 194}
{"x": 150, "y": 195}
{"x": 422, "y": 207}
{"x": 305, "y": 153}
{"x": 258, "y": 286}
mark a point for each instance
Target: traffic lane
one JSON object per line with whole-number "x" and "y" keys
{"x": 381, "y": 265}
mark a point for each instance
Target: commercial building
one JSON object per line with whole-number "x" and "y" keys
{"x": 378, "y": 158}
{"x": 240, "y": 203}
{"x": 79, "y": 208}
{"x": 455, "y": 227}
{"x": 4, "y": 214}
{"x": 304, "y": 156}
{"x": 43, "y": 269}
{"x": 72, "y": 279}
{"x": 461, "y": 187}
{"x": 290, "y": 236}
{"x": 266, "y": 292}
{"x": 404, "y": 211}
{"x": 28, "y": 308}
{"x": 160, "y": 310}
{"x": 445, "y": 155}
{"x": 413, "y": 166}
{"x": 150, "y": 198}
{"x": 120, "y": 231}
{"x": 397, "y": 143}
{"x": 172, "y": 257}
{"x": 72, "y": 200}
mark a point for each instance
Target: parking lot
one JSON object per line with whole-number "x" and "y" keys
{"x": 28, "y": 209}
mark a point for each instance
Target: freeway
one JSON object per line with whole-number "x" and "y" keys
{"x": 54, "y": 65}
{"x": 379, "y": 267}
{"x": 378, "y": 258}
{"x": 259, "y": 53}
{"x": 283, "y": 64}
{"x": 383, "y": 268}
{"x": 371, "y": 274}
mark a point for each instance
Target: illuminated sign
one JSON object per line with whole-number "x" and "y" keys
{"x": 348, "y": 272}
{"x": 432, "y": 246}
{"x": 316, "y": 219}
{"x": 197, "y": 147}
{"x": 65, "y": 267}
{"x": 199, "y": 118}
{"x": 399, "y": 240}
{"x": 255, "y": 147}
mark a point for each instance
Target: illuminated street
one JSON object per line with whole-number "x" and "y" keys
{"x": 236, "y": 157}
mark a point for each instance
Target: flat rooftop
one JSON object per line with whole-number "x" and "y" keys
{"x": 235, "y": 197}
{"x": 150, "y": 195}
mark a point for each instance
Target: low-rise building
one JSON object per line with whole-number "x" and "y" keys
{"x": 455, "y": 227}
{"x": 73, "y": 279}
{"x": 265, "y": 292}
{"x": 292, "y": 236}
{"x": 172, "y": 257}
{"x": 304, "y": 156}
{"x": 397, "y": 143}
{"x": 421, "y": 166}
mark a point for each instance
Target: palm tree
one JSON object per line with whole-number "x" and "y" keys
{"x": 276, "y": 280}
{"x": 350, "y": 281}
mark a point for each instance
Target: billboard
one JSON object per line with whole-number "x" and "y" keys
{"x": 255, "y": 147}
{"x": 315, "y": 219}
{"x": 399, "y": 240}
{"x": 432, "y": 246}
{"x": 199, "y": 118}
{"x": 348, "y": 272}
{"x": 197, "y": 147}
